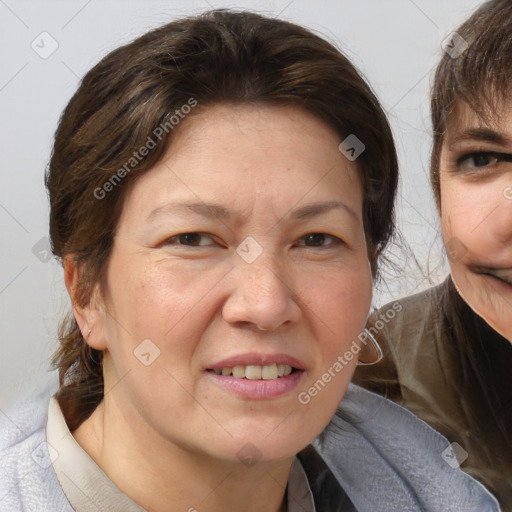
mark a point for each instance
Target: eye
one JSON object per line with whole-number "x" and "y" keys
{"x": 480, "y": 159}
{"x": 190, "y": 240}
{"x": 318, "y": 240}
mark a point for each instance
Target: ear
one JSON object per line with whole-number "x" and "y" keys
{"x": 90, "y": 318}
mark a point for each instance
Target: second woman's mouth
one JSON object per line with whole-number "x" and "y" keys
{"x": 501, "y": 274}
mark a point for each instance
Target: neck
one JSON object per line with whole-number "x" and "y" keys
{"x": 154, "y": 471}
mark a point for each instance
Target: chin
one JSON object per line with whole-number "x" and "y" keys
{"x": 488, "y": 297}
{"x": 273, "y": 441}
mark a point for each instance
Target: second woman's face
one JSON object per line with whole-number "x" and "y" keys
{"x": 476, "y": 211}
{"x": 238, "y": 279}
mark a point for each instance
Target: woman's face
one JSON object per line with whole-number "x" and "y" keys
{"x": 240, "y": 255}
{"x": 476, "y": 211}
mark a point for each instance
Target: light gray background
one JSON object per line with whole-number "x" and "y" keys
{"x": 395, "y": 43}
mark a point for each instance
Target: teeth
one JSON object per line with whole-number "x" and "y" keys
{"x": 256, "y": 372}
{"x": 253, "y": 372}
{"x": 239, "y": 372}
{"x": 269, "y": 372}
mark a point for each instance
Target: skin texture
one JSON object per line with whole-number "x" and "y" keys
{"x": 476, "y": 210}
{"x": 167, "y": 432}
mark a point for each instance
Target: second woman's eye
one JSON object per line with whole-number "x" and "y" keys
{"x": 481, "y": 159}
{"x": 319, "y": 239}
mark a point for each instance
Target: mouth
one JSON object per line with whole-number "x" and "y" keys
{"x": 503, "y": 274}
{"x": 258, "y": 376}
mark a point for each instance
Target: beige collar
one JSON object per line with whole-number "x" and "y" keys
{"x": 89, "y": 489}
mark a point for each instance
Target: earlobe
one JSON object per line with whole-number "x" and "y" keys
{"x": 89, "y": 317}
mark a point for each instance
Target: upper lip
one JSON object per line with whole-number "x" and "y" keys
{"x": 257, "y": 359}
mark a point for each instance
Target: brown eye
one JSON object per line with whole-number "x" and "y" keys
{"x": 319, "y": 239}
{"x": 314, "y": 239}
{"x": 481, "y": 159}
{"x": 190, "y": 240}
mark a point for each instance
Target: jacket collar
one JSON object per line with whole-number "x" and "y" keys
{"x": 387, "y": 459}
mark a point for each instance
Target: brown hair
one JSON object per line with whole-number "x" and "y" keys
{"x": 480, "y": 76}
{"x": 219, "y": 56}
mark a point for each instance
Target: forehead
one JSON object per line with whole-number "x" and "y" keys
{"x": 496, "y": 115}
{"x": 269, "y": 156}
{"x": 231, "y": 130}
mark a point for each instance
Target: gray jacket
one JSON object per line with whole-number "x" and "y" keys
{"x": 374, "y": 456}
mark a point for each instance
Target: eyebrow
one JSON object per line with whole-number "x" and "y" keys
{"x": 481, "y": 134}
{"x": 217, "y": 211}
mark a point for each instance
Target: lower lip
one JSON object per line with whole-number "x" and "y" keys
{"x": 259, "y": 389}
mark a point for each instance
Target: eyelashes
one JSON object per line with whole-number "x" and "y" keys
{"x": 196, "y": 239}
{"x": 316, "y": 237}
{"x": 481, "y": 160}
{"x": 192, "y": 239}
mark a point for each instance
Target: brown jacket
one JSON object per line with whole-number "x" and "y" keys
{"x": 446, "y": 365}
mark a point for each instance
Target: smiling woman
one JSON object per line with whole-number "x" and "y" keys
{"x": 449, "y": 352}
{"x": 218, "y": 281}
{"x": 248, "y": 322}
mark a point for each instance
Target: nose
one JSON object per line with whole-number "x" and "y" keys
{"x": 260, "y": 297}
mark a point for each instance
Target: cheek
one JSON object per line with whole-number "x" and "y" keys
{"x": 463, "y": 209}
{"x": 156, "y": 301}
{"x": 339, "y": 311}
{"x": 338, "y": 308}
{"x": 346, "y": 301}
{"x": 474, "y": 221}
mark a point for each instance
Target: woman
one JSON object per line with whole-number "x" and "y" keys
{"x": 220, "y": 189}
{"x": 449, "y": 353}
